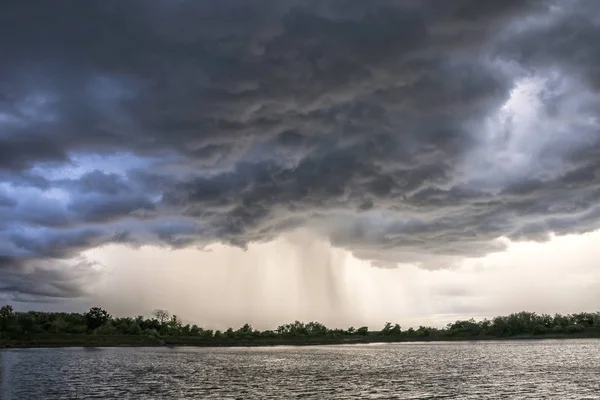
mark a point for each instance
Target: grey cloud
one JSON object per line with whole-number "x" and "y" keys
{"x": 561, "y": 39}
{"x": 58, "y": 244}
{"x": 103, "y": 208}
{"x": 6, "y": 201}
{"x": 165, "y": 91}
{"x": 42, "y": 283}
{"x": 364, "y": 121}
{"x": 98, "y": 182}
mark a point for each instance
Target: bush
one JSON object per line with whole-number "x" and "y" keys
{"x": 577, "y": 328}
{"x": 151, "y": 332}
{"x": 557, "y": 329}
{"x": 539, "y": 330}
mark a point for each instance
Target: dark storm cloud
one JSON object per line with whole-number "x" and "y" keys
{"x": 378, "y": 124}
{"x": 44, "y": 282}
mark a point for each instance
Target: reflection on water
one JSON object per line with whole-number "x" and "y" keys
{"x": 482, "y": 370}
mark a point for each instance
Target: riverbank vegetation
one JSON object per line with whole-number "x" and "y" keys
{"x": 97, "y": 328}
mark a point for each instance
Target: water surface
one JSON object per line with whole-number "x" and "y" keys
{"x": 567, "y": 369}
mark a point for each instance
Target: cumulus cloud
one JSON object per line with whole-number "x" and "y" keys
{"x": 403, "y": 131}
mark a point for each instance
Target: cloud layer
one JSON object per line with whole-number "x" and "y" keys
{"x": 404, "y": 131}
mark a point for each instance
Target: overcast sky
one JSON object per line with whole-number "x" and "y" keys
{"x": 348, "y": 161}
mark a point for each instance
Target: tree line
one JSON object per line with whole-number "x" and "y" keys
{"x": 96, "y": 321}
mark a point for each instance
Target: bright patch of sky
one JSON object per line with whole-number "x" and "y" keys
{"x": 530, "y": 135}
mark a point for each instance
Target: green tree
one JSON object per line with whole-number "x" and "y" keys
{"x": 95, "y": 318}
{"x": 7, "y": 317}
{"x": 245, "y": 330}
{"x": 387, "y": 328}
{"x": 423, "y": 331}
{"x": 28, "y": 322}
{"x": 316, "y": 329}
{"x": 195, "y": 330}
{"x": 363, "y": 330}
{"x": 175, "y": 325}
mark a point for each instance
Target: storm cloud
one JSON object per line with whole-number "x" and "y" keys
{"x": 403, "y": 131}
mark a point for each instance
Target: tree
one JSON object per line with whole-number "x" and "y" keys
{"x": 28, "y": 322}
{"x": 245, "y": 330}
{"x": 316, "y": 329}
{"x": 363, "y": 330}
{"x": 95, "y": 318}
{"x": 195, "y": 330}
{"x": 386, "y": 329}
{"x": 7, "y": 316}
{"x": 175, "y": 325}
{"x": 422, "y": 331}
{"x": 281, "y": 330}
{"x": 161, "y": 315}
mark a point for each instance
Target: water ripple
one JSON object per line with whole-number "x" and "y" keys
{"x": 483, "y": 370}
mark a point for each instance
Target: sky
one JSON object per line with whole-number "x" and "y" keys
{"x": 347, "y": 161}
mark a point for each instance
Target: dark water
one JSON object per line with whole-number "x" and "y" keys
{"x": 481, "y": 370}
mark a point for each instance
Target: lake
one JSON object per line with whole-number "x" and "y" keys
{"x": 533, "y": 369}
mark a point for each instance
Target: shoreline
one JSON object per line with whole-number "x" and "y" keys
{"x": 107, "y": 341}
